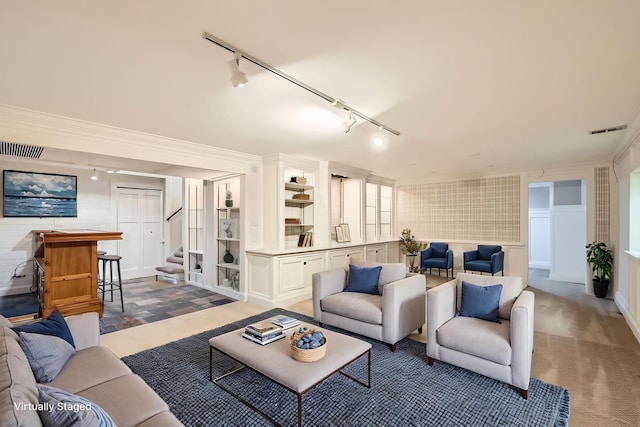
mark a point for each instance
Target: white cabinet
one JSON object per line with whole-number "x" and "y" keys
{"x": 377, "y": 253}
{"x": 342, "y": 257}
{"x": 296, "y": 271}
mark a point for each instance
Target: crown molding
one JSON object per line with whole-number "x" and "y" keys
{"x": 24, "y": 126}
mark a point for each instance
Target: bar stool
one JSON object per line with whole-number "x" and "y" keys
{"x": 118, "y": 285}
{"x": 100, "y": 275}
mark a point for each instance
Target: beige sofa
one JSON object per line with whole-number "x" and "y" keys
{"x": 93, "y": 372}
{"x": 501, "y": 351}
{"x": 389, "y": 317}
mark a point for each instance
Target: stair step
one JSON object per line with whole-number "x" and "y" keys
{"x": 175, "y": 260}
{"x": 178, "y": 254}
{"x": 170, "y": 269}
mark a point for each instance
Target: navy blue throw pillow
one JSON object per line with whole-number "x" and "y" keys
{"x": 363, "y": 279}
{"x": 481, "y": 302}
{"x": 53, "y": 325}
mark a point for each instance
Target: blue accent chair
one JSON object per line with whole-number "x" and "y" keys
{"x": 486, "y": 259}
{"x": 437, "y": 255}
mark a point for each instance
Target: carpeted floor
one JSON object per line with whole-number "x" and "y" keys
{"x": 405, "y": 390}
{"x": 147, "y": 301}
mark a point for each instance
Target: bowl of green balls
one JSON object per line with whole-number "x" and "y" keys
{"x": 308, "y": 345}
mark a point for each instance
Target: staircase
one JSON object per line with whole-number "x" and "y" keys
{"x": 174, "y": 266}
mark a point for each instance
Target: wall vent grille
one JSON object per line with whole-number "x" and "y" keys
{"x": 20, "y": 150}
{"x": 607, "y": 130}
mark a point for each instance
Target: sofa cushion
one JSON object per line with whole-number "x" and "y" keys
{"x": 53, "y": 325}
{"x": 46, "y": 354}
{"x": 487, "y": 340}
{"x": 5, "y": 322}
{"x": 481, "y": 302}
{"x": 128, "y": 400}
{"x": 80, "y": 372}
{"x": 511, "y": 288}
{"x": 67, "y": 409}
{"x": 363, "y": 279}
{"x": 18, "y": 392}
{"x": 363, "y": 307}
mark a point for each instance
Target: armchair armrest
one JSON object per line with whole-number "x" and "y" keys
{"x": 85, "y": 329}
{"x": 470, "y": 256}
{"x": 326, "y": 283}
{"x": 449, "y": 255}
{"x": 441, "y": 307}
{"x": 497, "y": 261}
{"x": 425, "y": 254}
{"x": 403, "y": 307}
{"x": 522, "y": 338}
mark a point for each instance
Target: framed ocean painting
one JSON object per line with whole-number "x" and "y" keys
{"x": 33, "y": 194}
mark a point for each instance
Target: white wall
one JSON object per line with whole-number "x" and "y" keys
{"x": 96, "y": 210}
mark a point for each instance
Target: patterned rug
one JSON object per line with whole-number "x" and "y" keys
{"x": 405, "y": 390}
{"x": 148, "y": 300}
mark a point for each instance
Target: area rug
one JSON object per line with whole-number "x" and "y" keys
{"x": 405, "y": 390}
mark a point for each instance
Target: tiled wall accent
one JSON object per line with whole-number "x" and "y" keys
{"x": 602, "y": 204}
{"x": 485, "y": 209}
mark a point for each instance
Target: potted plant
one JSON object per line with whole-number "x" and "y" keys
{"x": 410, "y": 247}
{"x": 600, "y": 259}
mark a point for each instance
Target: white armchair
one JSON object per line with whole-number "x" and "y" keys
{"x": 501, "y": 351}
{"x": 388, "y": 317}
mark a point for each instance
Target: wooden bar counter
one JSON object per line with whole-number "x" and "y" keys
{"x": 66, "y": 269}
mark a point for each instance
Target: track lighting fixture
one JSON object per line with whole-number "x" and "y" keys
{"x": 95, "y": 175}
{"x": 349, "y": 123}
{"x": 238, "y": 78}
{"x": 241, "y": 79}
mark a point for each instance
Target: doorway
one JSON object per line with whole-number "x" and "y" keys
{"x": 140, "y": 220}
{"x": 558, "y": 230}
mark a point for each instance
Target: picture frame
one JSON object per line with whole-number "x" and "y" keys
{"x": 339, "y": 234}
{"x": 346, "y": 233}
{"x": 228, "y": 228}
{"x": 39, "y": 195}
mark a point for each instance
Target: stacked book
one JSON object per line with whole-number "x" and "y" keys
{"x": 263, "y": 333}
{"x": 286, "y": 322}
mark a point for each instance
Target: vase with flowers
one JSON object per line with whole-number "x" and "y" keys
{"x": 411, "y": 247}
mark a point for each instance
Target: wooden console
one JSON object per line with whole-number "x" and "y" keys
{"x": 66, "y": 270}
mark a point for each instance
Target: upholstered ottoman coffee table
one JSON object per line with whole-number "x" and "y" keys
{"x": 274, "y": 361}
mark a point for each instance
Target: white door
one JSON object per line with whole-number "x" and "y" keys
{"x": 140, "y": 220}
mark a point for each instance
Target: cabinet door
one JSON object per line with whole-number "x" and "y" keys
{"x": 291, "y": 274}
{"x": 342, "y": 257}
{"x": 313, "y": 264}
{"x": 377, "y": 253}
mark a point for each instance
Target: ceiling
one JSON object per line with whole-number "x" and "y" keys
{"x": 471, "y": 86}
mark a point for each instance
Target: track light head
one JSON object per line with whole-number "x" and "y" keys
{"x": 238, "y": 78}
{"x": 377, "y": 139}
{"x": 95, "y": 175}
{"x": 349, "y": 123}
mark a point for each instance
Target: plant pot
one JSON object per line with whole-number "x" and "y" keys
{"x": 600, "y": 288}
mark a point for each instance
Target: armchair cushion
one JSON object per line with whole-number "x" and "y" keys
{"x": 439, "y": 250}
{"x": 391, "y": 271}
{"x": 359, "y": 306}
{"x": 486, "y": 340}
{"x": 363, "y": 279}
{"x": 481, "y": 302}
{"x": 511, "y": 288}
{"x": 485, "y": 251}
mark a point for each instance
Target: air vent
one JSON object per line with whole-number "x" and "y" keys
{"x": 613, "y": 129}
{"x": 20, "y": 150}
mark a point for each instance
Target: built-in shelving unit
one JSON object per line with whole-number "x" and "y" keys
{"x": 194, "y": 198}
{"x": 299, "y": 210}
{"x": 229, "y": 244}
